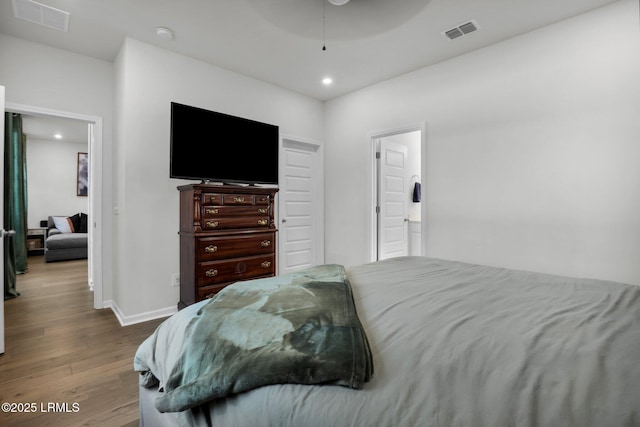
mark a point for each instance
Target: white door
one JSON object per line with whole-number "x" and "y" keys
{"x": 392, "y": 216}
{"x": 2, "y": 219}
{"x": 301, "y": 207}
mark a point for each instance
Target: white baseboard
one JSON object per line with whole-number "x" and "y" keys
{"x": 141, "y": 317}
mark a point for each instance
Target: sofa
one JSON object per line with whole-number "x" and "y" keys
{"x": 66, "y": 238}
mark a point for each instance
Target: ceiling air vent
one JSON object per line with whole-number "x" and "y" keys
{"x": 453, "y": 33}
{"x": 461, "y": 30}
{"x": 42, "y": 14}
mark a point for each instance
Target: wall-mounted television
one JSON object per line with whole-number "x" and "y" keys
{"x": 217, "y": 147}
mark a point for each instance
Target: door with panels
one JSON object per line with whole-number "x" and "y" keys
{"x": 301, "y": 206}
{"x": 392, "y": 217}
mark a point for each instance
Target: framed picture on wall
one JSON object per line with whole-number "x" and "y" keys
{"x": 83, "y": 174}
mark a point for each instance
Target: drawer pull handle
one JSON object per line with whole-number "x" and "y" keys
{"x": 209, "y": 296}
{"x": 263, "y": 222}
{"x": 212, "y": 224}
{"x": 211, "y": 249}
{"x": 265, "y": 243}
{"x": 211, "y": 211}
{"x": 263, "y": 211}
{"x": 211, "y": 273}
{"x": 266, "y": 264}
{"x": 238, "y": 199}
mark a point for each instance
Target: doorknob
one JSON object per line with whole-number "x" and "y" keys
{"x": 284, "y": 220}
{"x": 7, "y": 233}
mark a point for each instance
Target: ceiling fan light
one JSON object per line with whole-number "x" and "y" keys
{"x": 338, "y": 2}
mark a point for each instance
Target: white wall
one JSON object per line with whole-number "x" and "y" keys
{"x": 147, "y": 80}
{"x": 39, "y": 76}
{"x": 532, "y": 148}
{"x": 52, "y": 178}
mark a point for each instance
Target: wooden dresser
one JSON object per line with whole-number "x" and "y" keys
{"x": 227, "y": 234}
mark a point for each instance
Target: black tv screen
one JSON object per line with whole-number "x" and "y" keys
{"x": 218, "y": 147}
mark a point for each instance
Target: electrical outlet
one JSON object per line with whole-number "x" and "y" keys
{"x": 175, "y": 280}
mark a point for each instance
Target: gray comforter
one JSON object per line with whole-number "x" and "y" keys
{"x": 301, "y": 328}
{"x": 462, "y": 345}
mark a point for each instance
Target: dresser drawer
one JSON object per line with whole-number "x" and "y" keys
{"x": 235, "y": 199}
{"x": 211, "y": 291}
{"x": 206, "y": 292}
{"x": 221, "y": 211}
{"x": 211, "y": 199}
{"x": 231, "y": 270}
{"x": 263, "y": 199}
{"x": 236, "y": 222}
{"x": 217, "y": 248}
{"x": 238, "y": 199}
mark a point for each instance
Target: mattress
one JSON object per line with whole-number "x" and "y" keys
{"x": 458, "y": 344}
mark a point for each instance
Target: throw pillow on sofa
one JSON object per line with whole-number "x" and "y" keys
{"x": 64, "y": 224}
{"x": 84, "y": 223}
{"x": 79, "y": 221}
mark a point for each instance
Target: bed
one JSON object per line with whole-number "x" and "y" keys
{"x": 452, "y": 344}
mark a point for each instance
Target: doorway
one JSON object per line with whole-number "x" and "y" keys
{"x": 94, "y": 144}
{"x": 398, "y": 213}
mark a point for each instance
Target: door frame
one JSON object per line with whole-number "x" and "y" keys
{"x": 2, "y": 125}
{"x": 289, "y": 141}
{"x": 96, "y": 154}
{"x": 372, "y": 198}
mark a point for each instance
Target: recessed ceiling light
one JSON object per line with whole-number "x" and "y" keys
{"x": 164, "y": 33}
{"x": 338, "y": 2}
{"x": 58, "y": 136}
{"x": 327, "y": 81}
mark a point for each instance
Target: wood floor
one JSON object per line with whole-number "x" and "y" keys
{"x": 59, "y": 350}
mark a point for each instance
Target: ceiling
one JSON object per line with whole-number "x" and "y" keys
{"x": 280, "y": 41}
{"x": 45, "y": 127}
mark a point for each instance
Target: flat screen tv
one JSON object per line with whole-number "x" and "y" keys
{"x": 218, "y": 147}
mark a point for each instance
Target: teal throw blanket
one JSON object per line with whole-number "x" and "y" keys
{"x": 299, "y": 328}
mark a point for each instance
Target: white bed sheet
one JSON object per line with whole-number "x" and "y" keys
{"x": 456, "y": 344}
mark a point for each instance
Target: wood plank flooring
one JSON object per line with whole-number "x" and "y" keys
{"x": 60, "y": 350}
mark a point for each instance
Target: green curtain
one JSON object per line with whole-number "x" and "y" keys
{"x": 15, "y": 203}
